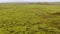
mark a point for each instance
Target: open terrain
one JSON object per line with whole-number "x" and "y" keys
{"x": 29, "y": 19}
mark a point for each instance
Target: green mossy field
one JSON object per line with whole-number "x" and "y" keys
{"x": 29, "y": 19}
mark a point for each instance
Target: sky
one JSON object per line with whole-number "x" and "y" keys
{"x": 2, "y": 1}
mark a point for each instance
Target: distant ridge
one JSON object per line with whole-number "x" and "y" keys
{"x": 53, "y": 3}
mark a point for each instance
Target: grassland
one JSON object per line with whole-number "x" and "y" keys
{"x": 29, "y": 19}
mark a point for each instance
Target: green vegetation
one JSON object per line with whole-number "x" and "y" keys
{"x": 29, "y": 19}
